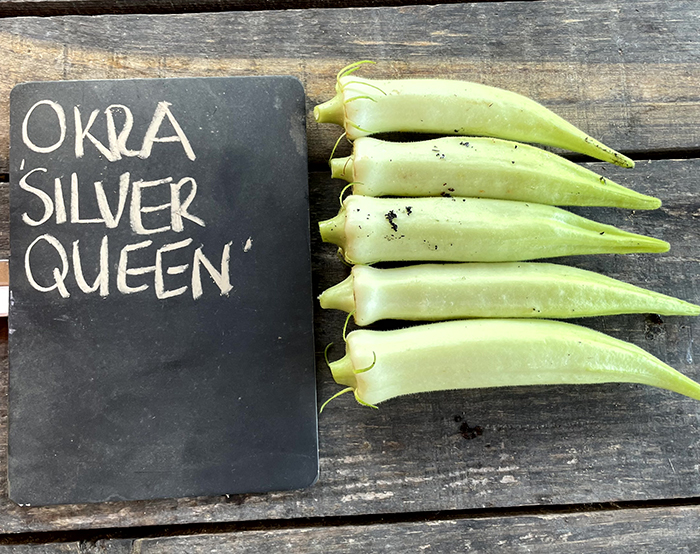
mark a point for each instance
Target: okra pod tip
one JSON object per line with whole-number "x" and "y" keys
{"x": 343, "y": 371}
{"x": 339, "y": 297}
{"x": 330, "y": 111}
{"x": 343, "y": 168}
{"x": 333, "y": 230}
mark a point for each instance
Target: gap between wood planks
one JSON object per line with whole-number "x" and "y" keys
{"x": 163, "y": 531}
{"x": 51, "y": 8}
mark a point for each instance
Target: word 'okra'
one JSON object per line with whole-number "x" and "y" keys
{"x": 479, "y": 353}
{"x": 370, "y": 230}
{"x": 497, "y": 290}
{"x": 449, "y": 107}
{"x": 479, "y": 167}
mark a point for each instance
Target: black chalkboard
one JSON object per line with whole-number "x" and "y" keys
{"x": 161, "y": 310}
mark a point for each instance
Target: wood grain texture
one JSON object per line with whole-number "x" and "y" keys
{"x": 627, "y": 531}
{"x": 111, "y": 546}
{"x": 626, "y": 72}
{"x": 622, "y": 532}
{"x": 487, "y": 448}
{"x": 47, "y": 8}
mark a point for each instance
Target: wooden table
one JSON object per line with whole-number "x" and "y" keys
{"x": 547, "y": 469}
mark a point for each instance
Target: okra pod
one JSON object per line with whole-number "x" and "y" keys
{"x": 479, "y": 353}
{"x": 370, "y": 230}
{"x": 450, "y": 107}
{"x": 432, "y": 292}
{"x": 479, "y": 167}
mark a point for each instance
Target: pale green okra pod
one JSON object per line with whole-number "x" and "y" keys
{"x": 479, "y": 167}
{"x": 432, "y": 292}
{"x": 479, "y": 353}
{"x": 370, "y": 230}
{"x": 450, "y": 107}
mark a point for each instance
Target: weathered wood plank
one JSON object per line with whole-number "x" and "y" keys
{"x": 625, "y": 72}
{"x": 624, "y": 531}
{"x": 47, "y": 8}
{"x": 478, "y": 449}
{"x": 65, "y": 548}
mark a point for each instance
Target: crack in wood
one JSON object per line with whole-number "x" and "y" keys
{"x": 131, "y": 535}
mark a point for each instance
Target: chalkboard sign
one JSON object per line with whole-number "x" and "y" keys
{"x": 161, "y": 311}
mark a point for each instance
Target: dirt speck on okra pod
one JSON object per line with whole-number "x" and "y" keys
{"x": 390, "y": 217}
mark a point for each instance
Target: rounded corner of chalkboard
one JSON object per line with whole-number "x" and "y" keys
{"x": 296, "y": 82}
{"x": 12, "y": 494}
{"x": 314, "y": 476}
{"x": 17, "y": 89}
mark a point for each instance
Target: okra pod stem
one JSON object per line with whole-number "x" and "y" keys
{"x": 449, "y": 107}
{"x": 379, "y": 365}
{"x": 432, "y": 292}
{"x": 370, "y": 230}
{"x": 479, "y": 167}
